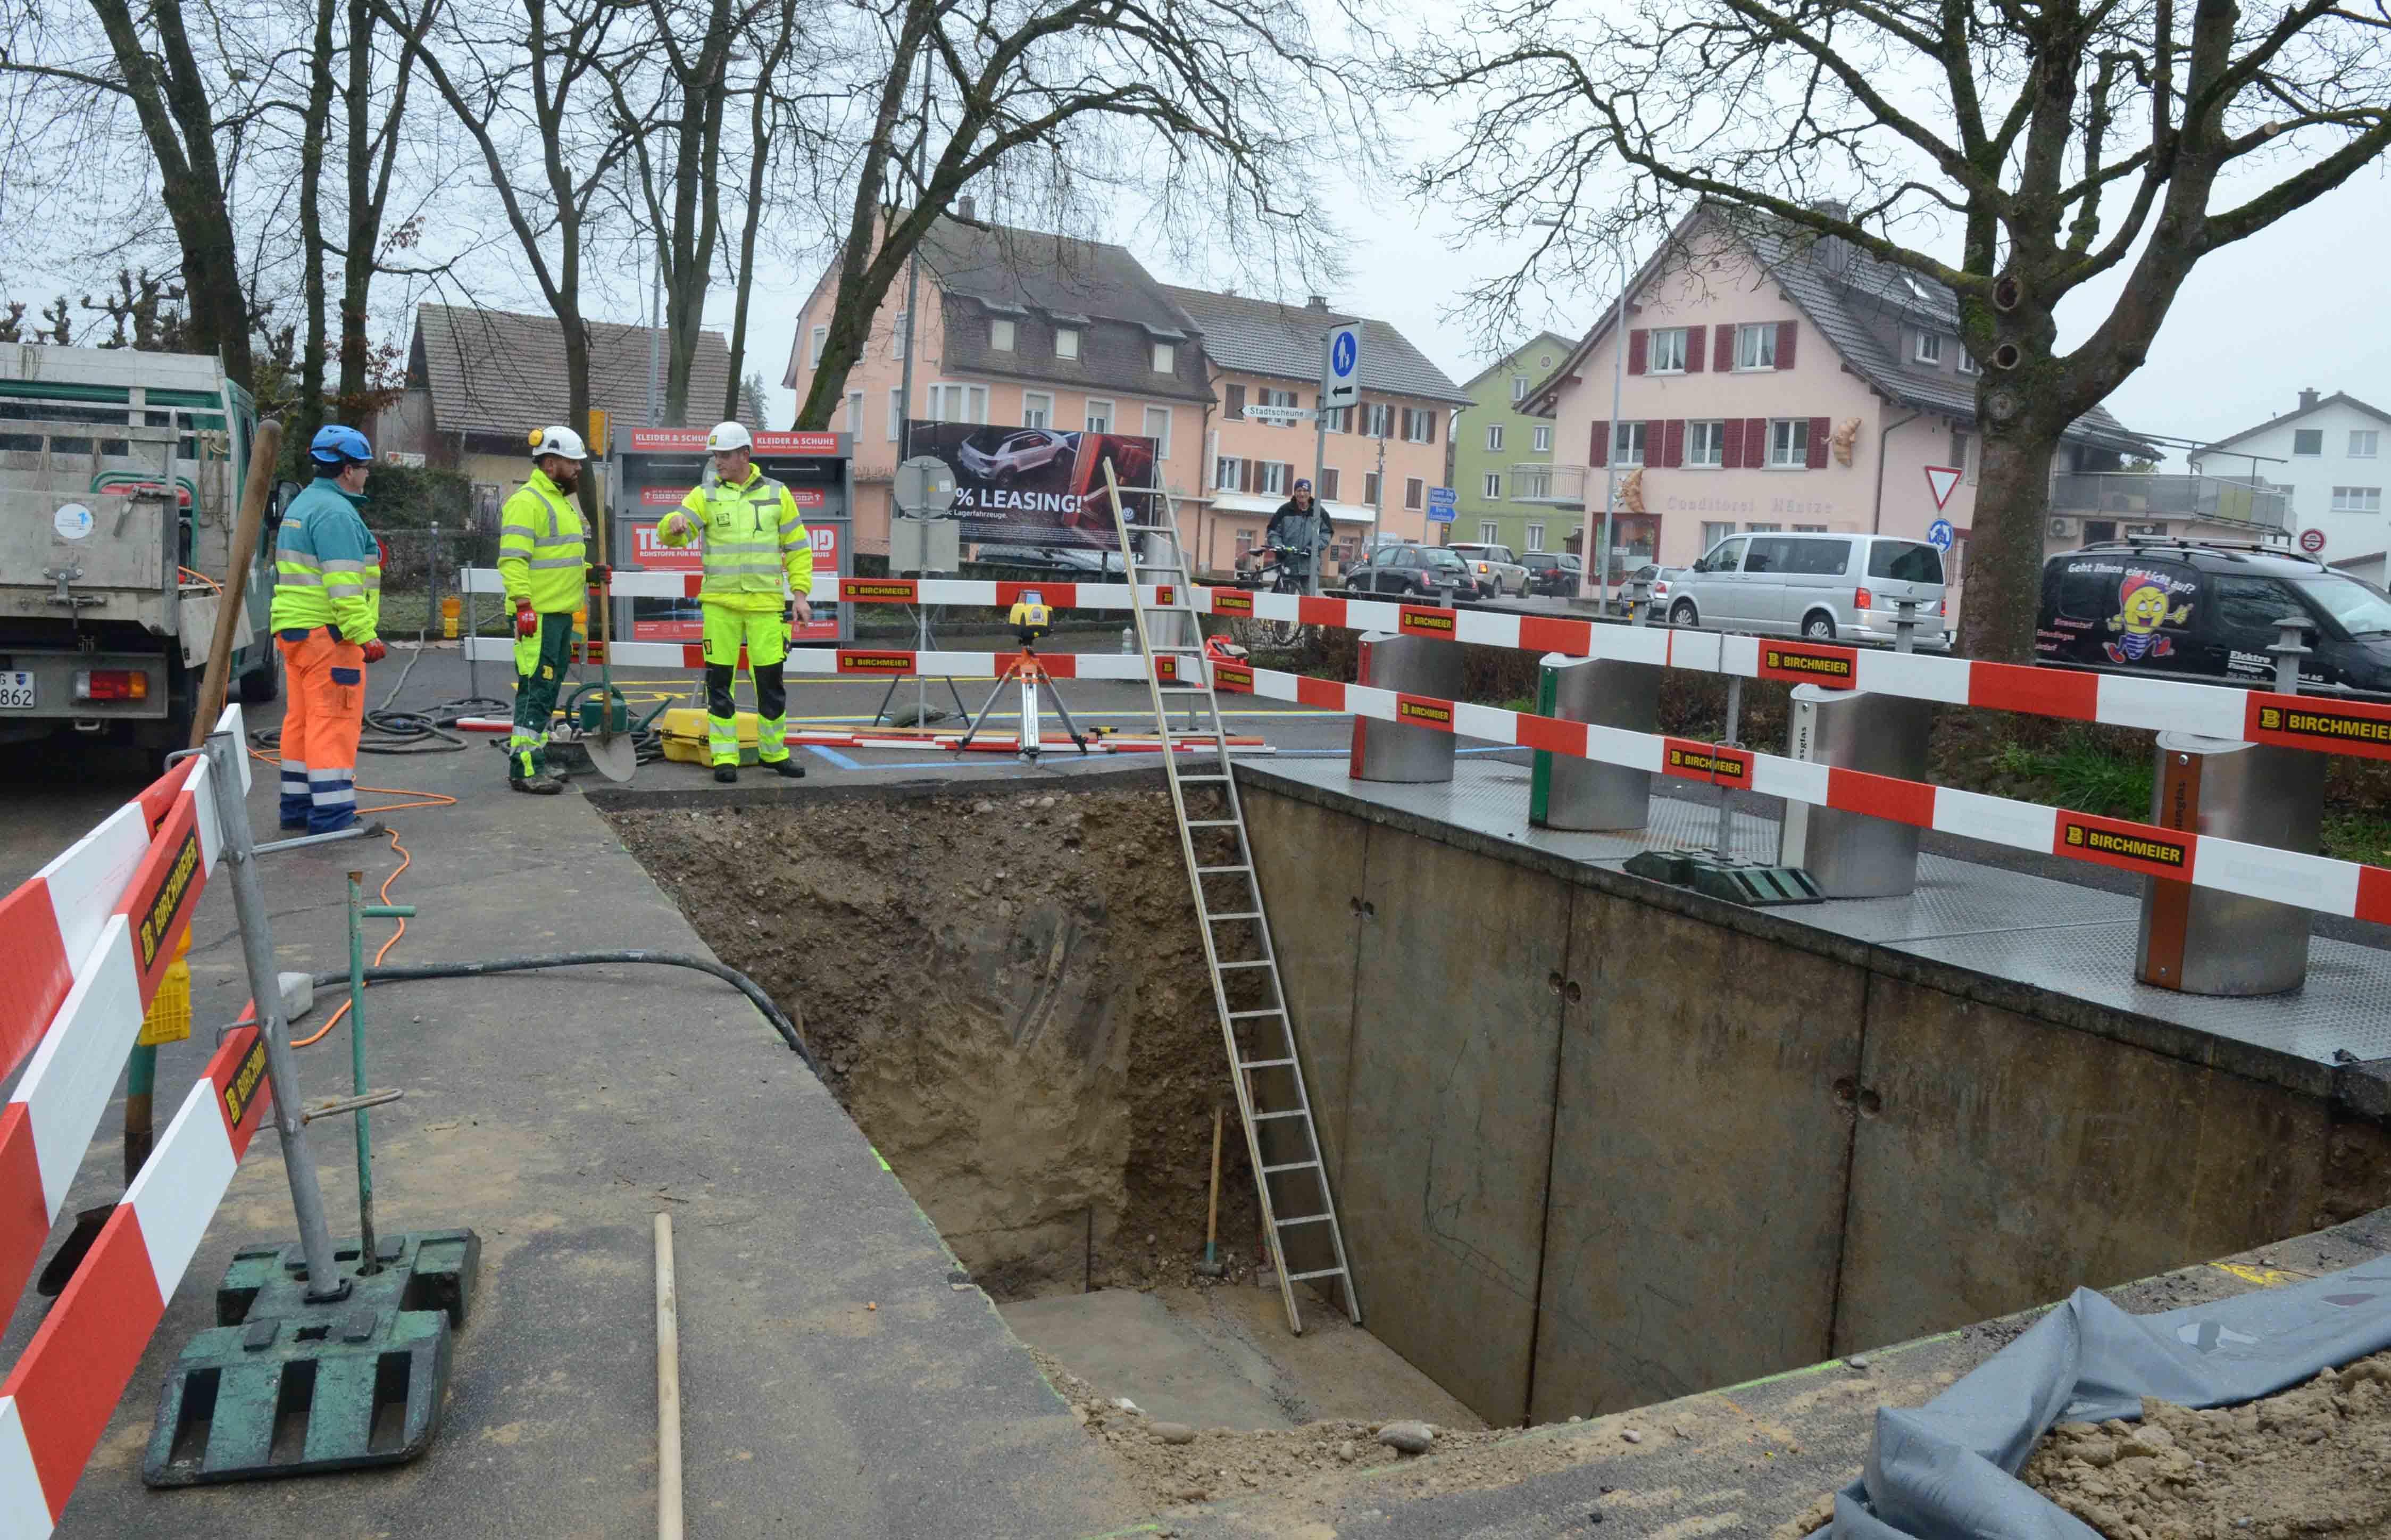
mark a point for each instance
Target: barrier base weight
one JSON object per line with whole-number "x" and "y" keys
{"x": 1738, "y": 882}
{"x": 281, "y": 1387}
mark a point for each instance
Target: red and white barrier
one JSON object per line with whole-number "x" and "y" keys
{"x": 2318, "y": 883}
{"x": 887, "y": 662}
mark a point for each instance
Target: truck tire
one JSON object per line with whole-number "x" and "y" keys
{"x": 261, "y": 684}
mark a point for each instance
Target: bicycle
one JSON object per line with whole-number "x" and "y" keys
{"x": 1287, "y": 578}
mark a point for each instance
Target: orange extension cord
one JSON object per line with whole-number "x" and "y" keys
{"x": 424, "y": 799}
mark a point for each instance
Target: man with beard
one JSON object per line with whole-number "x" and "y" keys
{"x": 543, "y": 563}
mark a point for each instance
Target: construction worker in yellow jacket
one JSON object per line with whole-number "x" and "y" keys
{"x": 543, "y": 562}
{"x": 752, "y": 539}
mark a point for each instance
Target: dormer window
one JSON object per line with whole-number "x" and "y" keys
{"x": 1067, "y": 341}
{"x": 1929, "y": 348}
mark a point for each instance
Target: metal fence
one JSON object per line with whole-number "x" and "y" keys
{"x": 418, "y": 571}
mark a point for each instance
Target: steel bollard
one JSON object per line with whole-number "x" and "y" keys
{"x": 1415, "y": 666}
{"x": 1850, "y": 855}
{"x": 1565, "y": 792}
{"x": 2203, "y": 941}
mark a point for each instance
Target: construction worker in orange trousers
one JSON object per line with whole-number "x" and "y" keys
{"x": 327, "y": 612}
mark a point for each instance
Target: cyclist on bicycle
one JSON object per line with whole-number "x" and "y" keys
{"x": 1298, "y": 531}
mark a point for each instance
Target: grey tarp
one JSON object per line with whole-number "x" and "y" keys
{"x": 1943, "y": 1470}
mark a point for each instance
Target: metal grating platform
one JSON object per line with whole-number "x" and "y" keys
{"x": 2010, "y": 924}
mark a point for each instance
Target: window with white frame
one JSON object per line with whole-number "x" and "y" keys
{"x": 1370, "y": 488}
{"x": 1627, "y": 443}
{"x": 958, "y": 403}
{"x": 1664, "y": 351}
{"x": 1000, "y": 334}
{"x": 1036, "y": 409}
{"x": 895, "y": 415}
{"x": 2364, "y": 441}
{"x": 1755, "y": 345}
{"x": 1519, "y": 387}
{"x": 1157, "y": 428}
{"x": 855, "y": 414}
{"x": 1267, "y": 397}
{"x": 1378, "y": 419}
{"x": 1273, "y": 477}
{"x": 1493, "y": 486}
{"x": 1543, "y": 438}
{"x": 2308, "y": 441}
{"x": 1714, "y": 533}
{"x": 1535, "y": 536}
{"x": 1245, "y": 544}
{"x": 1166, "y": 357}
{"x": 1488, "y": 531}
{"x": 1340, "y": 420}
{"x": 1067, "y": 341}
{"x": 1966, "y": 363}
{"x": 821, "y": 335}
{"x": 1228, "y": 474}
{"x": 1789, "y": 442}
{"x": 1706, "y": 444}
{"x": 2357, "y": 499}
{"x": 1926, "y": 347}
{"x": 1100, "y": 415}
{"x": 897, "y": 327}
{"x": 1494, "y": 435}
{"x": 1414, "y": 492}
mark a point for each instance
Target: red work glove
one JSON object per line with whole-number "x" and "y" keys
{"x": 526, "y": 623}
{"x": 600, "y": 574}
{"x": 375, "y": 651}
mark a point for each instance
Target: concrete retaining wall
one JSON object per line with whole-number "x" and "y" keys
{"x": 1599, "y": 1144}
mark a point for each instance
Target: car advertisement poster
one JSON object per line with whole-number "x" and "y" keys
{"x": 1036, "y": 486}
{"x": 678, "y": 619}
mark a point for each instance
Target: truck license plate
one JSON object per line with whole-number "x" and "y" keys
{"x": 16, "y": 690}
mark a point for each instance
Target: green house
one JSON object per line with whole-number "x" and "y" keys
{"x": 1497, "y": 449}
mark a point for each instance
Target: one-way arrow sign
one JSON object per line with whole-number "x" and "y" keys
{"x": 1941, "y": 480}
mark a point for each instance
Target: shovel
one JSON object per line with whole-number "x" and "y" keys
{"x": 616, "y": 756}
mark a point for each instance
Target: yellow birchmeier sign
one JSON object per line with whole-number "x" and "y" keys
{"x": 1235, "y": 677}
{"x": 2350, "y": 727}
{"x": 1830, "y": 667}
{"x": 1423, "y": 712}
{"x": 879, "y": 591}
{"x": 1693, "y": 761}
{"x": 2132, "y": 847}
{"x": 1232, "y": 602}
{"x": 874, "y": 663}
{"x": 1428, "y": 623}
{"x": 240, "y": 1090}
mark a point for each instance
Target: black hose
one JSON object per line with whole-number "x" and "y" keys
{"x": 739, "y": 981}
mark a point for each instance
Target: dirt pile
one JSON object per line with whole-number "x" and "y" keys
{"x": 1007, "y": 991}
{"x": 2313, "y": 1460}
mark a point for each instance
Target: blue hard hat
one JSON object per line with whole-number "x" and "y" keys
{"x": 1303, "y": 486}
{"x": 337, "y": 446}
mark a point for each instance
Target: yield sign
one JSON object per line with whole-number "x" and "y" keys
{"x": 1940, "y": 480}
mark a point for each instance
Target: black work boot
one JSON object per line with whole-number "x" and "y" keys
{"x": 727, "y": 774}
{"x": 537, "y": 785}
{"x": 789, "y": 768}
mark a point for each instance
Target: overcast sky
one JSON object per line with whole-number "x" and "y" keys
{"x": 2303, "y": 303}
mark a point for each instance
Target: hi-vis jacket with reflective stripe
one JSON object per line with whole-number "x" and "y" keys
{"x": 754, "y": 537}
{"x": 327, "y": 565}
{"x": 541, "y": 555}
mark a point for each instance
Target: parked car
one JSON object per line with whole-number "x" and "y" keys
{"x": 1661, "y": 578}
{"x": 1427, "y": 572}
{"x": 1494, "y": 564}
{"x": 2210, "y": 608}
{"x": 1551, "y": 573}
{"x": 1828, "y": 588}
{"x": 1016, "y": 454}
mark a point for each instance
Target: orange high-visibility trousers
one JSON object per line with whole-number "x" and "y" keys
{"x": 326, "y": 681}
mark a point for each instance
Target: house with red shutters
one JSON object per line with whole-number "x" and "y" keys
{"x": 1775, "y": 380}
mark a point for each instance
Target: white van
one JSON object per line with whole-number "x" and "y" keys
{"x": 1827, "y": 588}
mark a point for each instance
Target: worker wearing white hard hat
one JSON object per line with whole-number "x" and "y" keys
{"x": 543, "y": 562}
{"x": 754, "y": 541}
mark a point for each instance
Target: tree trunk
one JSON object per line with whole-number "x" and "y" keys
{"x": 2004, "y": 574}
{"x": 311, "y": 231}
{"x": 365, "y": 214}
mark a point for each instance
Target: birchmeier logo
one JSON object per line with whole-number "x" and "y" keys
{"x": 1233, "y": 676}
{"x": 1162, "y": 595}
{"x": 865, "y": 589}
{"x": 2340, "y": 727}
{"x": 1800, "y": 663}
{"x": 875, "y": 663}
{"x": 2172, "y": 854}
{"x": 1232, "y": 602}
{"x": 1721, "y": 763}
{"x": 243, "y": 1087}
{"x": 1429, "y": 713}
{"x": 158, "y": 921}
{"x": 1435, "y": 622}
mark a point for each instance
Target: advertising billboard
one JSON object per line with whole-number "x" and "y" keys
{"x": 678, "y": 619}
{"x": 1036, "y": 486}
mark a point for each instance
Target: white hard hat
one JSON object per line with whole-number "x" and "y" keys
{"x": 564, "y": 443}
{"x": 726, "y": 435}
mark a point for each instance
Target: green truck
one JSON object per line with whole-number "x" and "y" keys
{"x": 121, "y": 475}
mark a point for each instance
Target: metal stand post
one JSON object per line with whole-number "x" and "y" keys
{"x": 925, "y": 640}
{"x": 323, "y": 1280}
{"x": 369, "y": 1260}
{"x": 1904, "y": 625}
{"x": 1727, "y": 793}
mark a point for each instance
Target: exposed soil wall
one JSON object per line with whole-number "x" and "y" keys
{"x": 1006, "y": 989}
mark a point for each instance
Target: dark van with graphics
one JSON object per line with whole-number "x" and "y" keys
{"x": 2186, "y": 607}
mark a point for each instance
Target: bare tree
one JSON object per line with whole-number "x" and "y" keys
{"x": 2059, "y": 138}
{"x": 773, "y": 125}
{"x": 1218, "y": 101}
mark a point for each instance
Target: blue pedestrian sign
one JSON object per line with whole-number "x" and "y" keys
{"x": 1341, "y": 366}
{"x": 1939, "y": 535}
{"x": 1441, "y": 505}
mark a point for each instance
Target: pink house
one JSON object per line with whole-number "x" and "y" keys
{"x": 1774, "y": 381}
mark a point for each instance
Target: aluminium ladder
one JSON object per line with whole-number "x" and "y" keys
{"x": 1273, "y": 1103}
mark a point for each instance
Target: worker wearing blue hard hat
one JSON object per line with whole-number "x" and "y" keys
{"x": 326, "y": 618}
